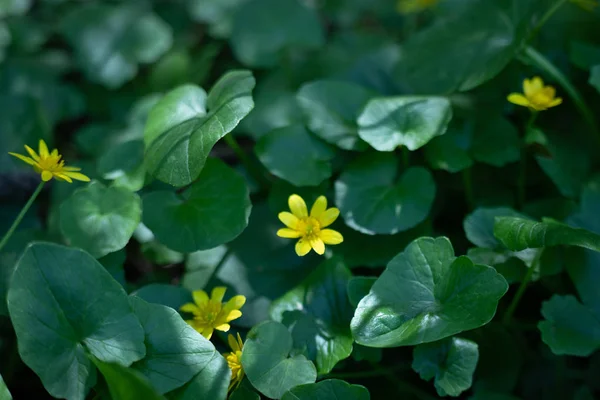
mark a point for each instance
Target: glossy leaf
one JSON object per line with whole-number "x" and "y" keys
{"x": 74, "y": 307}
{"x": 329, "y": 389}
{"x": 126, "y": 383}
{"x": 212, "y": 211}
{"x": 218, "y": 14}
{"x": 519, "y": 233}
{"x": 210, "y": 383}
{"x": 175, "y": 352}
{"x": 318, "y": 314}
{"x": 292, "y": 154}
{"x": 331, "y": 109}
{"x": 390, "y": 122}
{"x": 4, "y": 393}
{"x": 200, "y": 266}
{"x": 450, "y": 361}
{"x": 374, "y": 199}
{"x": 100, "y": 219}
{"x": 186, "y": 123}
{"x": 110, "y": 41}
{"x": 264, "y": 28}
{"x": 267, "y": 363}
{"x": 569, "y": 328}
{"x": 479, "y": 225}
{"x": 426, "y": 294}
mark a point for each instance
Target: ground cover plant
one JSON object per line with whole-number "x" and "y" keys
{"x": 299, "y": 199}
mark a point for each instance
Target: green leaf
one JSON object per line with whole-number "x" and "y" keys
{"x": 374, "y": 198}
{"x": 200, "y": 266}
{"x": 212, "y": 211}
{"x": 75, "y": 308}
{"x": 331, "y": 109}
{"x": 185, "y": 124}
{"x": 114, "y": 264}
{"x": 582, "y": 267}
{"x": 595, "y": 77}
{"x": 329, "y": 389}
{"x": 464, "y": 49}
{"x": 318, "y": 314}
{"x": 14, "y": 7}
{"x": 450, "y": 152}
{"x": 4, "y": 393}
{"x": 450, "y": 361}
{"x": 311, "y": 161}
{"x": 479, "y": 225}
{"x": 412, "y": 121}
{"x": 175, "y": 352}
{"x": 218, "y": 14}
{"x": 164, "y": 294}
{"x": 267, "y": 364}
{"x": 520, "y": 233}
{"x": 100, "y": 219}
{"x": 426, "y": 294}
{"x": 244, "y": 393}
{"x": 569, "y": 327}
{"x": 359, "y": 287}
{"x": 120, "y": 159}
{"x": 211, "y": 382}
{"x": 262, "y": 29}
{"x": 126, "y": 383}
{"x": 110, "y": 41}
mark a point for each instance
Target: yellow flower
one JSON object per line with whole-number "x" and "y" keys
{"x": 588, "y": 5}
{"x": 309, "y": 228}
{"x": 414, "y": 6}
{"x": 50, "y": 165}
{"x": 234, "y": 361}
{"x": 211, "y": 314}
{"x": 537, "y": 96}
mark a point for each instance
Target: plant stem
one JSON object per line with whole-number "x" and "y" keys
{"x": 532, "y": 56}
{"x": 546, "y": 17}
{"x": 15, "y": 224}
{"x": 468, "y": 182}
{"x": 522, "y": 179}
{"x": 250, "y": 165}
{"x": 515, "y": 301}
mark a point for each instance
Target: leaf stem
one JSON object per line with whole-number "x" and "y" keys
{"x": 532, "y": 56}
{"x": 250, "y": 165}
{"x": 549, "y": 13}
{"x": 468, "y": 183}
{"x": 515, "y": 301}
{"x": 522, "y": 178}
{"x": 19, "y": 218}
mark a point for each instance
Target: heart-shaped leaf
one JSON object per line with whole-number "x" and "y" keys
{"x": 175, "y": 352}
{"x": 211, "y": 382}
{"x": 74, "y": 307}
{"x": 100, "y": 219}
{"x": 185, "y": 124}
{"x": 291, "y": 153}
{"x": 450, "y": 361}
{"x": 570, "y": 327}
{"x": 373, "y": 199}
{"x": 389, "y": 122}
{"x": 426, "y": 294}
{"x": 331, "y": 109}
{"x": 122, "y": 37}
{"x": 267, "y": 363}
{"x": 329, "y": 389}
{"x": 479, "y": 225}
{"x": 520, "y": 233}
{"x": 262, "y": 29}
{"x": 318, "y": 314}
{"x": 126, "y": 383}
{"x": 212, "y": 211}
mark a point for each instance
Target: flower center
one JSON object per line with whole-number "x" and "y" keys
{"x": 51, "y": 163}
{"x": 208, "y": 313}
{"x": 541, "y": 97}
{"x": 234, "y": 362}
{"x": 309, "y": 226}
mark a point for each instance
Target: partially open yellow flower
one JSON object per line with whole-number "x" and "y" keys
{"x": 537, "y": 97}
{"x": 211, "y": 314}
{"x": 414, "y": 6}
{"x": 234, "y": 361}
{"x": 50, "y": 165}
{"x": 309, "y": 228}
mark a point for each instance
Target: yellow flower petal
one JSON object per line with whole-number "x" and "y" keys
{"x": 76, "y": 175}
{"x": 71, "y": 169}
{"x": 518, "y": 99}
{"x": 288, "y": 233}
{"x": 328, "y": 217}
{"x": 329, "y": 236}
{"x": 46, "y": 176}
{"x": 532, "y": 86}
{"x": 43, "y": 149}
{"x": 235, "y": 303}
{"x": 297, "y": 206}
{"x": 218, "y": 293}
{"x": 289, "y": 219}
{"x": 318, "y": 207}
{"x": 555, "y": 102}
{"x": 63, "y": 177}
{"x": 28, "y": 160}
{"x": 317, "y": 245}
{"x": 200, "y": 297}
{"x": 189, "y": 307}
{"x": 239, "y": 338}
{"x": 32, "y": 153}
{"x": 207, "y": 333}
{"x": 233, "y": 344}
{"x": 235, "y": 314}
{"x": 302, "y": 247}
{"x": 223, "y": 327}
